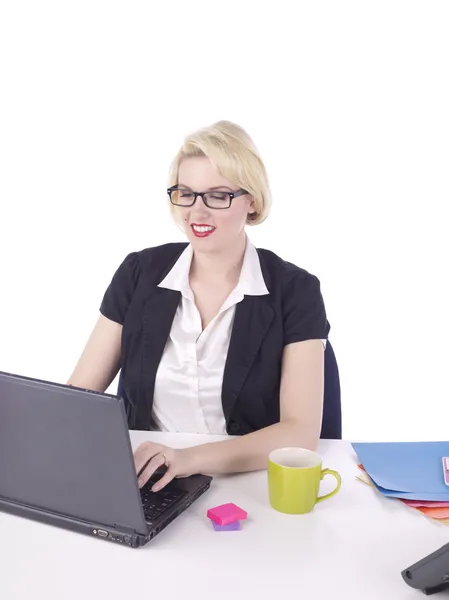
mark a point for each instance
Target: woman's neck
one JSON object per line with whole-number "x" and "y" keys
{"x": 219, "y": 267}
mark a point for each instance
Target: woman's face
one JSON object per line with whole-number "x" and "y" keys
{"x": 210, "y": 229}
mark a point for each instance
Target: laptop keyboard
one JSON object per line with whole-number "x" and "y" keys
{"x": 156, "y": 503}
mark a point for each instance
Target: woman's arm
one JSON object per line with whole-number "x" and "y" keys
{"x": 301, "y": 406}
{"x": 100, "y": 359}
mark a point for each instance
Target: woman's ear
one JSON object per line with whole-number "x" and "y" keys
{"x": 252, "y": 206}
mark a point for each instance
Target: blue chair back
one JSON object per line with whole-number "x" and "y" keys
{"x": 331, "y": 426}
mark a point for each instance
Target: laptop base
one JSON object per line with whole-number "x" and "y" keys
{"x": 102, "y": 532}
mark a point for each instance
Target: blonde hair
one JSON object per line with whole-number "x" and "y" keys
{"x": 235, "y": 156}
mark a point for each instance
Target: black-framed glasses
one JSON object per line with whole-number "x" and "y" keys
{"x": 216, "y": 199}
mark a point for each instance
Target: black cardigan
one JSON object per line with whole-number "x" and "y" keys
{"x": 292, "y": 312}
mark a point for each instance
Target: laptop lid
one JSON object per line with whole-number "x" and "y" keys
{"x": 67, "y": 451}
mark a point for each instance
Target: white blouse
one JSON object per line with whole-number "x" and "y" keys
{"x": 187, "y": 393}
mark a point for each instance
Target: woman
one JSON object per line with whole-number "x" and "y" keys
{"x": 213, "y": 336}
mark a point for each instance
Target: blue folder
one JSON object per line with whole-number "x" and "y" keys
{"x": 409, "y": 470}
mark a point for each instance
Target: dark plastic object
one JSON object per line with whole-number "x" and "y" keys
{"x": 431, "y": 573}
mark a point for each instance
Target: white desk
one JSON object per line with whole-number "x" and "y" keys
{"x": 352, "y": 546}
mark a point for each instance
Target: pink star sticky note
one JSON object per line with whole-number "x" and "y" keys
{"x": 226, "y": 513}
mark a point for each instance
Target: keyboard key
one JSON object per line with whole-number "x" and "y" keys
{"x": 155, "y": 503}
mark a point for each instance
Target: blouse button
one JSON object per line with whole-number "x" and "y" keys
{"x": 234, "y": 427}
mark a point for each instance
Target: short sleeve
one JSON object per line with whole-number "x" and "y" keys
{"x": 304, "y": 313}
{"x": 120, "y": 291}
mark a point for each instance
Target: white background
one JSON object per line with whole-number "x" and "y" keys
{"x": 348, "y": 103}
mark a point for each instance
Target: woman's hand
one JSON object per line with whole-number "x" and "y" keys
{"x": 179, "y": 463}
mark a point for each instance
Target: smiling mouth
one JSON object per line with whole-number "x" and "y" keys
{"x": 202, "y": 230}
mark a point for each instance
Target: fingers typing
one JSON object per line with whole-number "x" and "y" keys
{"x": 156, "y": 462}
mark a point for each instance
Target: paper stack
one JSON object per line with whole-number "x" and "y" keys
{"x": 412, "y": 472}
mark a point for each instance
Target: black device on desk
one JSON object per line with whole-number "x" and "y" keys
{"x": 431, "y": 573}
{"x": 66, "y": 460}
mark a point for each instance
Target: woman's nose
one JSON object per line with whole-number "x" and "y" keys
{"x": 199, "y": 210}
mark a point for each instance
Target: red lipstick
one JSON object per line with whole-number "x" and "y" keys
{"x": 202, "y": 229}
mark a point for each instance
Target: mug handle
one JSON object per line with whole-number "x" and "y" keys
{"x": 325, "y": 472}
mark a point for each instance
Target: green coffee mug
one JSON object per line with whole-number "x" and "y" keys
{"x": 294, "y": 476}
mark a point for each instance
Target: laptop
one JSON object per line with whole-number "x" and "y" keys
{"x": 66, "y": 460}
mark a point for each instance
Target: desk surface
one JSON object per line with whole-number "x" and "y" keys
{"x": 352, "y": 546}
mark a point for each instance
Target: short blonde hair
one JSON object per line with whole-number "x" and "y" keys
{"x": 235, "y": 156}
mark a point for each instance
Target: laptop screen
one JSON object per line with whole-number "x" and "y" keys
{"x": 67, "y": 451}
